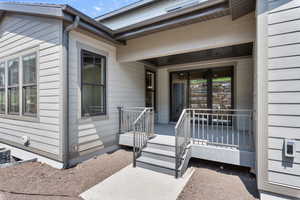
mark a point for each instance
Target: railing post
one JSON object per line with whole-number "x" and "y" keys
{"x": 134, "y": 147}
{"x": 120, "y": 118}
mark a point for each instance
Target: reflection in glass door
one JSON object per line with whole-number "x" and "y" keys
{"x": 179, "y": 94}
{"x": 201, "y": 89}
{"x": 222, "y": 89}
{"x": 198, "y": 97}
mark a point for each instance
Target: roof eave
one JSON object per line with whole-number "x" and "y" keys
{"x": 63, "y": 12}
{"x": 125, "y": 9}
{"x": 208, "y": 13}
{"x": 169, "y": 15}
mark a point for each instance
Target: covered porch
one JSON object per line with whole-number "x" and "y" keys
{"x": 199, "y": 95}
{"x": 199, "y": 100}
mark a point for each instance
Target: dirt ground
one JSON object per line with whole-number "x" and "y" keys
{"x": 36, "y": 181}
{"x": 219, "y": 182}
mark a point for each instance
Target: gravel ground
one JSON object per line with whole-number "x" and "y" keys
{"x": 219, "y": 182}
{"x": 37, "y": 181}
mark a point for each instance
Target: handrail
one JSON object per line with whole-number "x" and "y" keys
{"x": 180, "y": 118}
{"x": 127, "y": 116}
{"x": 220, "y": 127}
{"x": 143, "y": 128}
{"x": 182, "y": 139}
{"x": 140, "y": 116}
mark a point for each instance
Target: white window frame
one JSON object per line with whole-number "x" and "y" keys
{"x": 20, "y": 115}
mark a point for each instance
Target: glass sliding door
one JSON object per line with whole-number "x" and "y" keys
{"x": 222, "y": 81}
{"x": 179, "y": 94}
{"x": 201, "y": 89}
{"x": 198, "y": 97}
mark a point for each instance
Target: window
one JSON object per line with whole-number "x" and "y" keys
{"x": 18, "y": 86}
{"x": 2, "y": 88}
{"x": 13, "y": 86}
{"x": 93, "y": 78}
{"x": 29, "y": 85}
{"x": 150, "y": 89}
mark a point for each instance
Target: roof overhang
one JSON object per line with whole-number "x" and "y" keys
{"x": 204, "y": 11}
{"x": 63, "y": 12}
{"x": 211, "y": 11}
{"x": 125, "y": 9}
{"x": 240, "y": 8}
{"x": 170, "y": 15}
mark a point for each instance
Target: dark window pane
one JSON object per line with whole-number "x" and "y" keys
{"x": 93, "y": 74}
{"x": 150, "y": 80}
{"x": 29, "y": 69}
{"x": 150, "y": 99}
{"x": 2, "y": 100}
{"x": 13, "y": 72}
{"x": 30, "y": 100}
{"x": 13, "y": 100}
{"x": 2, "y": 75}
{"x": 222, "y": 94}
{"x": 92, "y": 100}
{"x": 93, "y": 84}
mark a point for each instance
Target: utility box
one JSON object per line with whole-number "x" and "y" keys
{"x": 290, "y": 148}
{"x": 4, "y": 155}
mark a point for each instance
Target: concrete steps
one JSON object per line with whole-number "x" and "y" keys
{"x": 159, "y": 155}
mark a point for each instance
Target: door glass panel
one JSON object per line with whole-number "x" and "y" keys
{"x": 222, "y": 90}
{"x": 198, "y": 90}
{"x": 179, "y": 87}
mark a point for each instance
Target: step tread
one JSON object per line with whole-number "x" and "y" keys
{"x": 163, "y": 140}
{"x": 156, "y": 162}
{"x": 159, "y": 152}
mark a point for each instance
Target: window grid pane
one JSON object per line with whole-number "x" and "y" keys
{"x": 150, "y": 89}
{"x": 2, "y": 101}
{"x": 13, "y": 72}
{"x": 13, "y": 100}
{"x": 30, "y": 100}
{"x": 29, "y": 69}
{"x": 2, "y": 75}
{"x": 93, "y": 84}
{"x": 29, "y": 92}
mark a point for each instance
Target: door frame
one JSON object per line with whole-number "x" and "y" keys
{"x": 209, "y": 88}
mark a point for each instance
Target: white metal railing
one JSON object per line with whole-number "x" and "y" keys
{"x": 127, "y": 116}
{"x": 220, "y": 127}
{"x": 143, "y": 128}
{"x": 182, "y": 138}
{"x": 140, "y": 121}
{"x": 226, "y": 127}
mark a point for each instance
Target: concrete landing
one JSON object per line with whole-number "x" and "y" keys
{"x": 136, "y": 184}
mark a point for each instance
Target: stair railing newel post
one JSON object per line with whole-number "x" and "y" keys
{"x": 120, "y": 110}
{"x": 176, "y": 153}
{"x": 134, "y": 145}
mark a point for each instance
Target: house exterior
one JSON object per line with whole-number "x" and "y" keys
{"x": 220, "y": 78}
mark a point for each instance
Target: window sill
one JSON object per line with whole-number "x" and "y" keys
{"x": 19, "y": 118}
{"x": 95, "y": 118}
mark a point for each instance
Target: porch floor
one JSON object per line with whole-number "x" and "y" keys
{"x": 164, "y": 129}
{"x": 208, "y": 150}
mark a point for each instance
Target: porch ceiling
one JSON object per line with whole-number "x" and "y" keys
{"x": 217, "y": 53}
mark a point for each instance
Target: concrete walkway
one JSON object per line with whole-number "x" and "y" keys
{"x": 136, "y": 184}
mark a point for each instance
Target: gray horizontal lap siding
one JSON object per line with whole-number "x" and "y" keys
{"x": 21, "y": 33}
{"x": 125, "y": 85}
{"x": 284, "y": 91}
